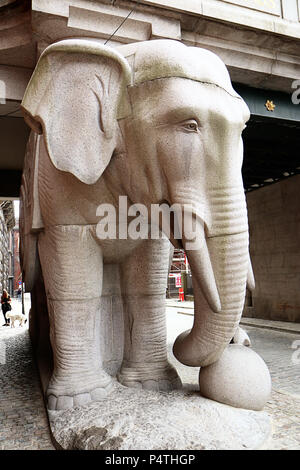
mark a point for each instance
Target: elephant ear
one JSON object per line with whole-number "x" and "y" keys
{"x": 74, "y": 97}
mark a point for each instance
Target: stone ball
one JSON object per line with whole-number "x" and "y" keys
{"x": 240, "y": 378}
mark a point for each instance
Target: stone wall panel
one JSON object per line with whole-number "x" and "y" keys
{"x": 274, "y": 220}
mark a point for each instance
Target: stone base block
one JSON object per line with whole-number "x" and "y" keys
{"x": 133, "y": 419}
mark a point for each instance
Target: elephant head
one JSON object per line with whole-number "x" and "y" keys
{"x": 172, "y": 111}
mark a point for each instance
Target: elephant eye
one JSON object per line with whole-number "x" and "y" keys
{"x": 191, "y": 125}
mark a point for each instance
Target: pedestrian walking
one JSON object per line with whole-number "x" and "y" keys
{"x": 5, "y": 305}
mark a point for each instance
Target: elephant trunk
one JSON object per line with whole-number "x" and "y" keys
{"x": 219, "y": 268}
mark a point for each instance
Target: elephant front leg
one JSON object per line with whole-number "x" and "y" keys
{"x": 144, "y": 280}
{"x": 72, "y": 268}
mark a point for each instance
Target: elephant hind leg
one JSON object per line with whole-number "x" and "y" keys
{"x": 144, "y": 281}
{"x": 72, "y": 268}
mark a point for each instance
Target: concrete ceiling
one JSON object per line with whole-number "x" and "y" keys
{"x": 271, "y": 151}
{"x": 13, "y": 136}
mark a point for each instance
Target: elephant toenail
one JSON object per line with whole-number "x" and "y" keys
{"x": 82, "y": 399}
{"x": 99, "y": 394}
{"x": 52, "y": 400}
{"x": 150, "y": 385}
{"x": 64, "y": 402}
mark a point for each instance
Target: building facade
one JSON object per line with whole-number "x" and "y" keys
{"x": 7, "y": 222}
{"x": 259, "y": 41}
{"x": 16, "y": 259}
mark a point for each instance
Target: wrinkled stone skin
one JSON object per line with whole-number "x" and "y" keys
{"x": 166, "y": 128}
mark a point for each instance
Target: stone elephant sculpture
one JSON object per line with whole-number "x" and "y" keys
{"x": 157, "y": 122}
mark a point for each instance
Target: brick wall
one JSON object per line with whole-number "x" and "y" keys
{"x": 274, "y": 225}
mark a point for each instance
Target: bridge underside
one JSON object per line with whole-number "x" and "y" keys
{"x": 271, "y": 141}
{"x": 271, "y": 151}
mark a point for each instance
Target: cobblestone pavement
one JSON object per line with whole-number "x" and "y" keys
{"x": 284, "y": 365}
{"x": 23, "y": 419}
{"x": 277, "y": 348}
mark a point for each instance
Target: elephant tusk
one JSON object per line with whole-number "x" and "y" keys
{"x": 250, "y": 277}
{"x": 202, "y": 269}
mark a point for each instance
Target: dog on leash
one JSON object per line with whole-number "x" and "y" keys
{"x": 16, "y": 316}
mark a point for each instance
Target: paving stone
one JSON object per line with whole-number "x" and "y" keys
{"x": 275, "y": 347}
{"x": 23, "y": 419}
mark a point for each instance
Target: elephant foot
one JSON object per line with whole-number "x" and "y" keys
{"x": 150, "y": 376}
{"x": 65, "y": 394}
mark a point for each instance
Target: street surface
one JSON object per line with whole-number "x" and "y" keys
{"x": 278, "y": 349}
{"x": 23, "y": 419}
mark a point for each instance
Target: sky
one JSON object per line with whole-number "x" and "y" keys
{"x": 16, "y": 208}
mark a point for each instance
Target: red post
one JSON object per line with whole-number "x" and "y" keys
{"x": 181, "y": 294}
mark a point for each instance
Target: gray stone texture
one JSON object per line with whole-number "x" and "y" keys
{"x": 239, "y": 378}
{"x": 95, "y": 162}
{"x": 273, "y": 346}
{"x": 140, "y": 419}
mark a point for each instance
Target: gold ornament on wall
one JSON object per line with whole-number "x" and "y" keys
{"x": 270, "y": 105}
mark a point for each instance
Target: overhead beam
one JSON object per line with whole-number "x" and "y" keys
{"x": 10, "y": 182}
{"x": 257, "y": 98}
{"x": 13, "y": 82}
